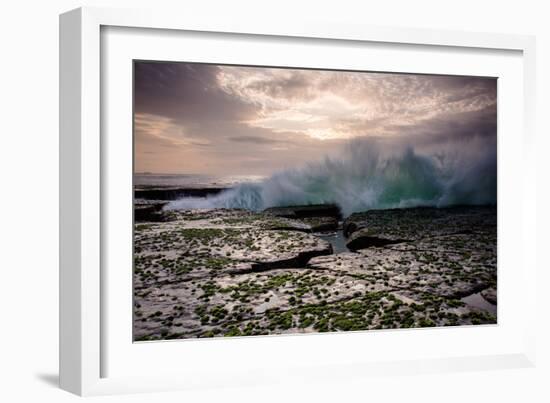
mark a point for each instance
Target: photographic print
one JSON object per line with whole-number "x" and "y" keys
{"x": 271, "y": 200}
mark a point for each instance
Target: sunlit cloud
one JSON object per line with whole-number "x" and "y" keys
{"x": 164, "y": 129}
{"x": 248, "y": 119}
{"x": 328, "y": 104}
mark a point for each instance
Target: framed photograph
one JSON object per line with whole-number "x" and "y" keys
{"x": 235, "y": 201}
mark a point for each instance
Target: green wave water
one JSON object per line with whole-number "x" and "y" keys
{"x": 371, "y": 175}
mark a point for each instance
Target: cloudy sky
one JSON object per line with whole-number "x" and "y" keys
{"x": 232, "y": 120}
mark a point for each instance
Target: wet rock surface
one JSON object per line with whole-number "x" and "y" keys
{"x": 207, "y": 273}
{"x": 173, "y": 192}
{"x": 299, "y": 212}
{"x": 149, "y": 210}
{"x": 490, "y": 295}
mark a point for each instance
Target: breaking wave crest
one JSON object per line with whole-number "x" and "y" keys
{"x": 372, "y": 174}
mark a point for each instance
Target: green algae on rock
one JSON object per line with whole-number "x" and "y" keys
{"x": 230, "y": 272}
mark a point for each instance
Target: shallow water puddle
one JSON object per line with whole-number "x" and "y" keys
{"x": 336, "y": 239}
{"x": 477, "y": 301}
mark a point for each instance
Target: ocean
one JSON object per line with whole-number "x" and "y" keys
{"x": 369, "y": 175}
{"x": 193, "y": 181}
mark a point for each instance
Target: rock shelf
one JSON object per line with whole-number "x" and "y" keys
{"x": 228, "y": 272}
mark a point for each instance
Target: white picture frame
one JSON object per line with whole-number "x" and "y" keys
{"x": 86, "y": 340}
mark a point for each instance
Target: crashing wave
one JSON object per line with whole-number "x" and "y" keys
{"x": 371, "y": 174}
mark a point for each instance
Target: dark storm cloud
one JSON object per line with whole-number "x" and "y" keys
{"x": 246, "y": 120}
{"x": 185, "y": 92}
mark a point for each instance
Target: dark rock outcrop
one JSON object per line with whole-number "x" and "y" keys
{"x": 490, "y": 295}
{"x": 173, "y": 193}
{"x": 314, "y": 210}
{"x": 419, "y": 222}
{"x": 363, "y": 239}
{"x": 321, "y": 224}
{"x": 150, "y": 212}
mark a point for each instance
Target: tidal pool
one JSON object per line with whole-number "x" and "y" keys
{"x": 336, "y": 239}
{"x": 477, "y": 301}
